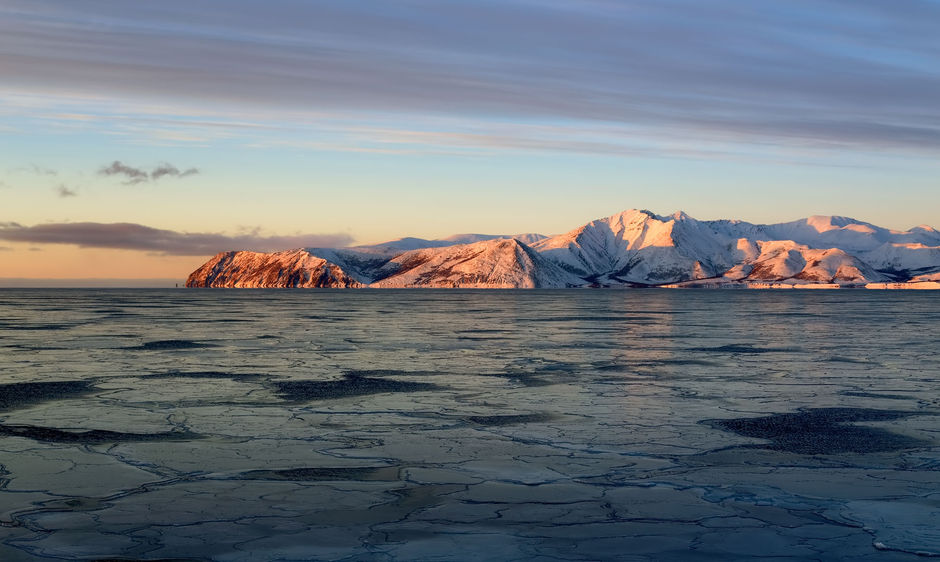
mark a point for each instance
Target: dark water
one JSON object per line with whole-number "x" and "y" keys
{"x": 454, "y": 425}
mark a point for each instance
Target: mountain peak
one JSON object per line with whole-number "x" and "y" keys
{"x": 645, "y": 214}
{"x": 825, "y": 223}
{"x": 495, "y": 263}
{"x": 631, "y": 247}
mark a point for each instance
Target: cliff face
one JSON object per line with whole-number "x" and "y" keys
{"x": 294, "y": 268}
{"x": 629, "y": 248}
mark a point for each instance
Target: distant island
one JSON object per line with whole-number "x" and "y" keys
{"x": 635, "y": 248}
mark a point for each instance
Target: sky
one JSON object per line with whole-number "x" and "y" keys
{"x": 137, "y": 139}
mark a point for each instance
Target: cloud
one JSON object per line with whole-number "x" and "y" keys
{"x": 130, "y": 236}
{"x": 138, "y": 175}
{"x": 133, "y": 175}
{"x": 43, "y": 171}
{"x": 824, "y": 72}
{"x": 6, "y": 249}
{"x": 36, "y": 169}
{"x": 63, "y": 191}
{"x": 170, "y": 170}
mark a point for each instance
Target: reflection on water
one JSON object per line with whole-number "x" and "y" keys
{"x": 643, "y": 424}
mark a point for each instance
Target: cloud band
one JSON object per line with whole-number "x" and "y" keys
{"x": 131, "y": 236}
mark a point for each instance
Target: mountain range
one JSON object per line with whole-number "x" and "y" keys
{"x": 634, "y": 248}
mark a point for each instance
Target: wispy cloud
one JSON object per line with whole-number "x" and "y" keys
{"x": 63, "y": 191}
{"x": 170, "y": 170}
{"x": 131, "y": 236}
{"x": 138, "y": 175}
{"x": 44, "y": 171}
{"x": 36, "y": 169}
{"x": 133, "y": 175}
{"x": 834, "y": 73}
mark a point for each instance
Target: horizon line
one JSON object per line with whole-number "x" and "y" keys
{"x": 90, "y": 283}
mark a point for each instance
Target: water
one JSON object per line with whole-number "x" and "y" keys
{"x": 453, "y": 425}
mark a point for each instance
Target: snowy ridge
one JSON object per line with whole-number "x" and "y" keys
{"x": 632, "y": 248}
{"x": 500, "y": 263}
{"x": 784, "y": 260}
{"x": 393, "y": 247}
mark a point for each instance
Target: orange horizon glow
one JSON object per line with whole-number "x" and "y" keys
{"x": 34, "y": 261}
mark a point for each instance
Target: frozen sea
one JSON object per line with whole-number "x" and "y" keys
{"x": 469, "y": 425}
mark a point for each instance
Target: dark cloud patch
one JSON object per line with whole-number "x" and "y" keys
{"x": 130, "y": 236}
{"x": 172, "y": 171}
{"x": 164, "y": 170}
{"x": 6, "y": 249}
{"x": 63, "y": 191}
{"x": 131, "y": 175}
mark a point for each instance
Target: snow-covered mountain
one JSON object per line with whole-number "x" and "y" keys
{"x": 780, "y": 260}
{"x": 499, "y": 263}
{"x": 640, "y": 247}
{"x": 632, "y": 248}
